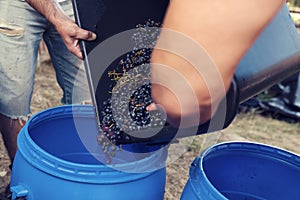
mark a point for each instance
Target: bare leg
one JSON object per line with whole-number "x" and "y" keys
{"x": 10, "y": 129}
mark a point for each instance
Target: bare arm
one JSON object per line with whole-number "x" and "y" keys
{"x": 225, "y": 30}
{"x": 66, "y": 27}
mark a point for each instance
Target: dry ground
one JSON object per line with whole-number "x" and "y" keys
{"x": 246, "y": 127}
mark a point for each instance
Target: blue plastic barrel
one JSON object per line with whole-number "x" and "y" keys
{"x": 244, "y": 170}
{"x": 59, "y": 158}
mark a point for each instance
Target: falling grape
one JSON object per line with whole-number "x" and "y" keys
{"x": 125, "y": 111}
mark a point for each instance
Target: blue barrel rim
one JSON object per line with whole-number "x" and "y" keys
{"x": 198, "y": 178}
{"x": 86, "y": 173}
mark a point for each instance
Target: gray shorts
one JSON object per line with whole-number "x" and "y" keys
{"x": 21, "y": 30}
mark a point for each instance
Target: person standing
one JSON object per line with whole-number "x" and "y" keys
{"x": 22, "y": 26}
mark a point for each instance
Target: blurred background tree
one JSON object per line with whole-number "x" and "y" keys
{"x": 294, "y": 3}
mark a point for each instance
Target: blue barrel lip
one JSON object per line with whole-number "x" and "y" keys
{"x": 199, "y": 182}
{"x": 255, "y": 147}
{"x": 197, "y": 172}
{"x": 88, "y": 173}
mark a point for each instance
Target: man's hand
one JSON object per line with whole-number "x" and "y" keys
{"x": 67, "y": 28}
{"x": 71, "y": 34}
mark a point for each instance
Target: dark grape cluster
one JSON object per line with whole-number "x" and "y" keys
{"x": 139, "y": 100}
{"x": 125, "y": 110}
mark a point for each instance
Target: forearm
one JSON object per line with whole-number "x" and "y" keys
{"x": 226, "y": 30}
{"x": 50, "y": 9}
{"x": 66, "y": 27}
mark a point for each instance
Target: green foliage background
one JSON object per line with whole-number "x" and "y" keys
{"x": 294, "y": 2}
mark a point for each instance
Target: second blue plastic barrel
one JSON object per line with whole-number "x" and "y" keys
{"x": 244, "y": 170}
